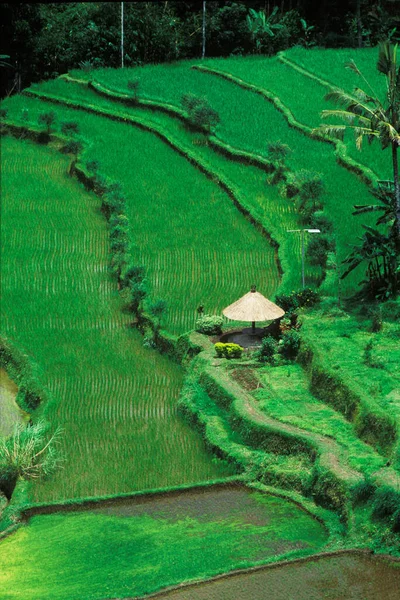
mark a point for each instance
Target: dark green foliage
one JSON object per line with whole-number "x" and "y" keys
{"x": 3, "y": 113}
{"x": 396, "y": 521}
{"x": 209, "y": 324}
{"x": 306, "y": 297}
{"x": 368, "y": 356}
{"x": 307, "y": 188}
{"x": 70, "y": 128}
{"x": 73, "y": 147}
{"x": 331, "y": 493}
{"x": 267, "y": 350}
{"x": 317, "y": 250}
{"x": 199, "y": 112}
{"x": 228, "y": 350}
{"x": 28, "y": 453}
{"x": 158, "y": 309}
{"x": 133, "y": 86}
{"x": 277, "y": 153}
{"x": 92, "y": 166}
{"x": 138, "y": 292}
{"x": 379, "y": 251}
{"x": 47, "y": 119}
{"x": 134, "y": 274}
{"x": 289, "y": 345}
{"x": 386, "y": 502}
{"x": 362, "y": 491}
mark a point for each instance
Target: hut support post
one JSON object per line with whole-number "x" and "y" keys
{"x": 253, "y": 327}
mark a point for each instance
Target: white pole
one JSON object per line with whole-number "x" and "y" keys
{"x": 204, "y": 30}
{"x": 122, "y": 35}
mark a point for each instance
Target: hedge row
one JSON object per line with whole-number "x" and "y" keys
{"x": 365, "y": 174}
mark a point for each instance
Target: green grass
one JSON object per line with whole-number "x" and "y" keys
{"x": 305, "y": 99}
{"x": 249, "y": 121}
{"x": 344, "y": 340}
{"x": 286, "y": 398}
{"x": 191, "y": 259}
{"x": 86, "y": 555}
{"x": 114, "y": 400}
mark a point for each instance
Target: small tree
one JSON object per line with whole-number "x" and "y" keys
{"x": 133, "y": 86}
{"x": 70, "y": 128}
{"x": 27, "y": 454}
{"x": 199, "y": 112}
{"x": 47, "y": 119}
{"x": 277, "y": 153}
{"x": 73, "y": 147}
{"x": 158, "y": 310}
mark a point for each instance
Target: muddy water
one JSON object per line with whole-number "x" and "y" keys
{"x": 343, "y": 577}
{"x": 10, "y": 413}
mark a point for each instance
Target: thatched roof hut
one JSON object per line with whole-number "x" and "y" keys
{"x": 253, "y": 307}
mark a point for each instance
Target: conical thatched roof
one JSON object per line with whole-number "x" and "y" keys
{"x": 253, "y": 306}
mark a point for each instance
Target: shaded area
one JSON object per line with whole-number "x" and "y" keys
{"x": 347, "y": 577}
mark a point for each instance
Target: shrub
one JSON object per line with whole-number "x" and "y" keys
{"x": 209, "y": 324}
{"x": 228, "y": 350}
{"x": 317, "y": 250}
{"x": 133, "y": 86}
{"x": 289, "y": 345}
{"x": 47, "y": 119}
{"x": 73, "y": 147}
{"x": 267, "y": 350}
{"x": 386, "y": 502}
{"x": 3, "y": 113}
{"x": 70, "y": 128}
{"x": 158, "y": 309}
{"x": 92, "y": 166}
{"x": 134, "y": 274}
{"x": 362, "y": 491}
{"x": 200, "y": 112}
{"x": 27, "y": 453}
{"x": 376, "y": 319}
{"x": 303, "y": 298}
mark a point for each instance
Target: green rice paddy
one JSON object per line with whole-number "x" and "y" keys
{"x": 138, "y": 548}
{"x": 114, "y": 400}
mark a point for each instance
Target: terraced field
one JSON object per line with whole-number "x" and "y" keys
{"x": 114, "y": 399}
{"x": 139, "y": 546}
{"x": 206, "y": 225}
{"x": 264, "y": 123}
{"x": 189, "y": 257}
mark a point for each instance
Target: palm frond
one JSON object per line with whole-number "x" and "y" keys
{"x": 336, "y": 131}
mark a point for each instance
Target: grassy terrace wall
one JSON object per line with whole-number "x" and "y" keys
{"x": 218, "y": 406}
{"x": 340, "y": 375}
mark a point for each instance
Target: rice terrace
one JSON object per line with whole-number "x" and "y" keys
{"x": 200, "y": 315}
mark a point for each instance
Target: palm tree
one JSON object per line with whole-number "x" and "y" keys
{"x": 369, "y": 117}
